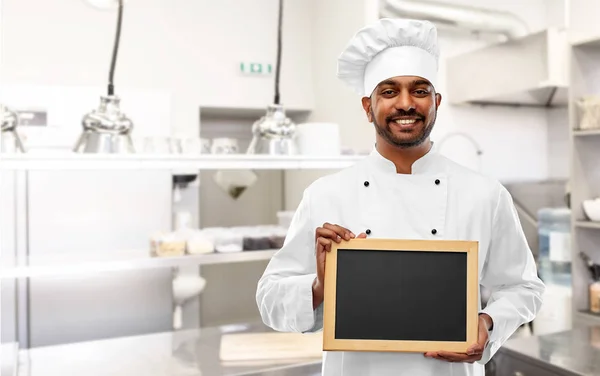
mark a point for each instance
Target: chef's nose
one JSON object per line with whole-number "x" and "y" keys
{"x": 405, "y": 101}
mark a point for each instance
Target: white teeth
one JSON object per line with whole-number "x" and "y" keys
{"x": 406, "y": 121}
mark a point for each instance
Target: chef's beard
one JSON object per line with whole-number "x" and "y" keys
{"x": 422, "y": 134}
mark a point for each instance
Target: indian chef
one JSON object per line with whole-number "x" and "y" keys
{"x": 404, "y": 189}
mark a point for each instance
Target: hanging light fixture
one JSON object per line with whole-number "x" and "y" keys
{"x": 11, "y": 141}
{"x": 107, "y": 129}
{"x": 274, "y": 133}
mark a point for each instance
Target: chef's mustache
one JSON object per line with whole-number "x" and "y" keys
{"x": 399, "y": 113}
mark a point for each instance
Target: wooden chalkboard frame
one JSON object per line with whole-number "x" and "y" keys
{"x": 330, "y": 343}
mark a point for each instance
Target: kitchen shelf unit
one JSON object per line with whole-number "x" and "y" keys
{"x": 585, "y": 171}
{"x": 72, "y": 161}
{"x": 83, "y": 264}
{"x": 132, "y": 260}
{"x": 587, "y": 318}
{"x": 60, "y": 264}
{"x": 587, "y": 224}
{"x": 29, "y": 275}
{"x": 526, "y": 71}
{"x": 584, "y": 38}
{"x": 579, "y": 133}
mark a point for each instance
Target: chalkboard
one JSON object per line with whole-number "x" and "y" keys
{"x": 401, "y": 295}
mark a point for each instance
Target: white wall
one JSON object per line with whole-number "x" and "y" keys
{"x": 149, "y": 109}
{"x": 558, "y": 144}
{"x": 556, "y": 13}
{"x": 518, "y": 143}
{"x": 191, "y": 48}
{"x": 333, "y": 101}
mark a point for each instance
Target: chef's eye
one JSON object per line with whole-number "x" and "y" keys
{"x": 388, "y": 92}
{"x": 421, "y": 92}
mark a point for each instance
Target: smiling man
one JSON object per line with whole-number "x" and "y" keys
{"x": 406, "y": 109}
{"x": 403, "y": 190}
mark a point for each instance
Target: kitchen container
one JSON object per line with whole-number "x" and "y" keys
{"x": 554, "y": 231}
{"x": 226, "y": 239}
{"x": 285, "y": 218}
{"x": 591, "y": 208}
{"x": 277, "y": 237}
{"x": 259, "y": 238}
{"x": 224, "y": 145}
{"x": 199, "y": 242}
{"x": 318, "y": 139}
{"x": 590, "y": 112}
{"x": 169, "y": 244}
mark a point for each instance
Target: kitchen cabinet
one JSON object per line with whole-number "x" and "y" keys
{"x": 188, "y": 352}
{"x": 511, "y": 365}
{"x": 74, "y": 233}
{"x": 526, "y": 71}
{"x": 570, "y": 353}
{"x": 583, "y": 21}
{"x": 72, "y": 215}
{"x": 585, "y": 152}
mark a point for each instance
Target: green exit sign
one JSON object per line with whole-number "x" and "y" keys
{"x": 256, "y": 68}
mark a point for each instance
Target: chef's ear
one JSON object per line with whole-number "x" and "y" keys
{"x": 438, "y": 100}
{"x": 366, "y": 103}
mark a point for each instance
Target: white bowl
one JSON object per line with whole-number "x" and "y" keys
{"x": 591, "y": 209}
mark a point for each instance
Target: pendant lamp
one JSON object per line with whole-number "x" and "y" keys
{"x": 107, "y": 129}
{"x": 274, "y": 133}
{"x": 11, "y": 141}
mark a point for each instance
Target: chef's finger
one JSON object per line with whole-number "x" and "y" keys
{"x": 362, "y": 235}
{"x": 341, "y": 231}
{"x": 319, "y": 247}
{"x": 453, "y": 357}
{"x": 325, "y": 244}
{"x": 328, "y": 233}
{"x": 475, "y": 349}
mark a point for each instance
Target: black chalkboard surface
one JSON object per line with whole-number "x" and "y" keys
{"x": 401, "y": 295}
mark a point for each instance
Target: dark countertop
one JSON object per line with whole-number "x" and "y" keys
{"x": 576, "y": 351}
{"x": 180, "y": 353}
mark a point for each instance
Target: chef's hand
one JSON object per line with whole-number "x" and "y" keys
{"x": 474, "y": 352}
{"x": 324, "y": 238}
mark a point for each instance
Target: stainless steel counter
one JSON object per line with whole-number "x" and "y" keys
{"x": 182, "y": 353}
{"x": 8, "y": 359}
{"x": 573, "y": 352}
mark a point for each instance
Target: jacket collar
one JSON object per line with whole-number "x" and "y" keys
{"x": 423, "y": 165}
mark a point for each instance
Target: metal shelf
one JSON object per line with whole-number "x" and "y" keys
{"x": 582, "y": 133}
{"x": 72, "y": 264}
{"x": 73, "y": 161}
{"x": 587, "y": 224}
{"x": 587, "y": 318}
{"x": 584, "y": 39}
{"x": 180, "y": 352}
{"x": 9, "y": 359}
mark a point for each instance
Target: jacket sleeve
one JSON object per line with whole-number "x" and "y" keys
{"x": 510, "y": 274}
{"x": 284, "y": 292}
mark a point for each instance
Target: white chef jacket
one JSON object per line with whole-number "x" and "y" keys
{"x": 440, "y": 195}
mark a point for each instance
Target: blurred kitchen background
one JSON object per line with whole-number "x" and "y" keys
{"x": 93, "y": 251}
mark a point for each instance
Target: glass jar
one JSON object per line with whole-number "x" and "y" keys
{"x": 554, "y": 231}
{"x": 227, "y": 240}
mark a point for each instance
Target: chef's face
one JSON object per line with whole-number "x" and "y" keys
{"x": 403, "y": 110}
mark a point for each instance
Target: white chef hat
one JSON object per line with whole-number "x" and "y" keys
{"x": 389, "y": 48}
